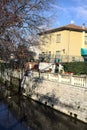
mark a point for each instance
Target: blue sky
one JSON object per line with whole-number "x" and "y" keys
{"x": 67, "y": 11}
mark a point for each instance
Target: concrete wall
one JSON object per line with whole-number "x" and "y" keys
{"x": 67, "y": 98}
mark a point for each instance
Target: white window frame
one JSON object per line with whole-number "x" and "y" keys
{"x": 86, "y": 39}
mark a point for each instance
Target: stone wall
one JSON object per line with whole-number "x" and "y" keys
{"x": 65, "y": 98}
{"x": 65, "y": 93}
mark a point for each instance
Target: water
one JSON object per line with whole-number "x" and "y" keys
{"x": 18, "y": 113}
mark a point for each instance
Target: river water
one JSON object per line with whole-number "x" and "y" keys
{"x": 19, "y": 113}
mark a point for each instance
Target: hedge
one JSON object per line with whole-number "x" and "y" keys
{"x": 76, "y": 67}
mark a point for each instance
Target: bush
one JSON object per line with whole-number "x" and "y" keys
{"x": 76, "y": 67}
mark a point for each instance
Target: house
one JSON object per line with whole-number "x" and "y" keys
{"x": 64, "y": 44}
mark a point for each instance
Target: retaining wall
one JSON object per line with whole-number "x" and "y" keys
{"x": 68, "y": 98}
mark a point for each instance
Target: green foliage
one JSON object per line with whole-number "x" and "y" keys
{"x": 76, "y": 67}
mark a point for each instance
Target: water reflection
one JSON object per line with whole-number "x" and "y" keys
{"x": 18, "y": 113}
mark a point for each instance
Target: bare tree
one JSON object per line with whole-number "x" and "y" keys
{"x": 21, "y": 18}
{"x": 28, "y": 14}
{"x": 23, "y": 54}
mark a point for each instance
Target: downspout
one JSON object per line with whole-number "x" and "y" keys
{"x": 83, "y": 39}
{"x": 83, "y": 35}
{"x": 68, "y": 43}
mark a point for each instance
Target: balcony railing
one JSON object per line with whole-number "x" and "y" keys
{"x": 59, "y": 58}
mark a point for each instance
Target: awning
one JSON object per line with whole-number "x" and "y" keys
{"x": 83, "y": 51}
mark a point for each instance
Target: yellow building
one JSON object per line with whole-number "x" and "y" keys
{"x": 65, "y": 44}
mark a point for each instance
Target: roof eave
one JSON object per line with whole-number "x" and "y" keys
{"x": 61, "y": 29}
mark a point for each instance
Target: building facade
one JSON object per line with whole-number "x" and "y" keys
{"x": 65, "y": 44}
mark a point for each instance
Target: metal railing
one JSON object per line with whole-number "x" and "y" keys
{"x": 59, "y": 58}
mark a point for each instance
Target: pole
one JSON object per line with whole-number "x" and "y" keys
{"x": 20, "y": 80}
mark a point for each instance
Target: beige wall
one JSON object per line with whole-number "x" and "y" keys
{"x": 71, "y": 41}
{"x": 75, "y": 43}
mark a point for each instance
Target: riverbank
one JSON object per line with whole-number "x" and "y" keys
{"x": 24, "y": 113}
{"x": 65, "y": 93}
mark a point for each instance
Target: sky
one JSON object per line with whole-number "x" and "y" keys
{"x": 70, "y": 11}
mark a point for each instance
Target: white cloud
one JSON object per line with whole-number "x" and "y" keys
{"x": 81, "y": 12}
{"x": 76, "y": 12}
{"x": 72, "y": 21}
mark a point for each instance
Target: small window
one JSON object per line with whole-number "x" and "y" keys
{"x": 73, "y": 58}
{"x": 50, "y": 52}
{"x": 85, "y": 39}
{"x": 57, "y": 53}
{"x": 58, "y": 38}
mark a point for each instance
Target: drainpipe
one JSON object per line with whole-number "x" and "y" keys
{"x": 83, "y": 35}
{"x": 20, "y": 80}
{"x": 68, "y": 43}
{"x": 83, "y": 39}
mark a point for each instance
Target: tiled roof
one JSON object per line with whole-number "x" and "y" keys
{"x": 71, "y": 27}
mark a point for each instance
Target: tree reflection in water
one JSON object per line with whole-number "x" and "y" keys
{"x": 30, "y": 115}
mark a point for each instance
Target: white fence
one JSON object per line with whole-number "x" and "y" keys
{"x": 69, "y": 79}
{"x": 80, "y": 81}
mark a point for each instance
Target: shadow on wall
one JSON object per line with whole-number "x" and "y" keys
{"x": 48, "y": 99}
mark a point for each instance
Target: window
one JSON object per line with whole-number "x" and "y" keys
{"x": 58, "y": 38}
{"x": 85, "y": 39}
{"x": 73, "y": 58}
{"x": 58, "y": 56}
{"x": 57, "y": 53}
{"x": 49, "y": 52}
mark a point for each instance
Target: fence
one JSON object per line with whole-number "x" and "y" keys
{"x": 69, "y": 79}
{"x": 59, "y": 58}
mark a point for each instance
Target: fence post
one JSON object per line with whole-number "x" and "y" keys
{"x": 59, "y": 78}
{"x": 86, "y": 81}
{"x": 72, "y": 79}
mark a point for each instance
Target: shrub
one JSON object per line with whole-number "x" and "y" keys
{"x": 76, "y": 67}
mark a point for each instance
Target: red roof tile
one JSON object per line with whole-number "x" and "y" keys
{"x": 71, "y": 27}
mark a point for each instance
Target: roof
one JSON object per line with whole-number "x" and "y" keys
{"x": 71, "y": 27}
